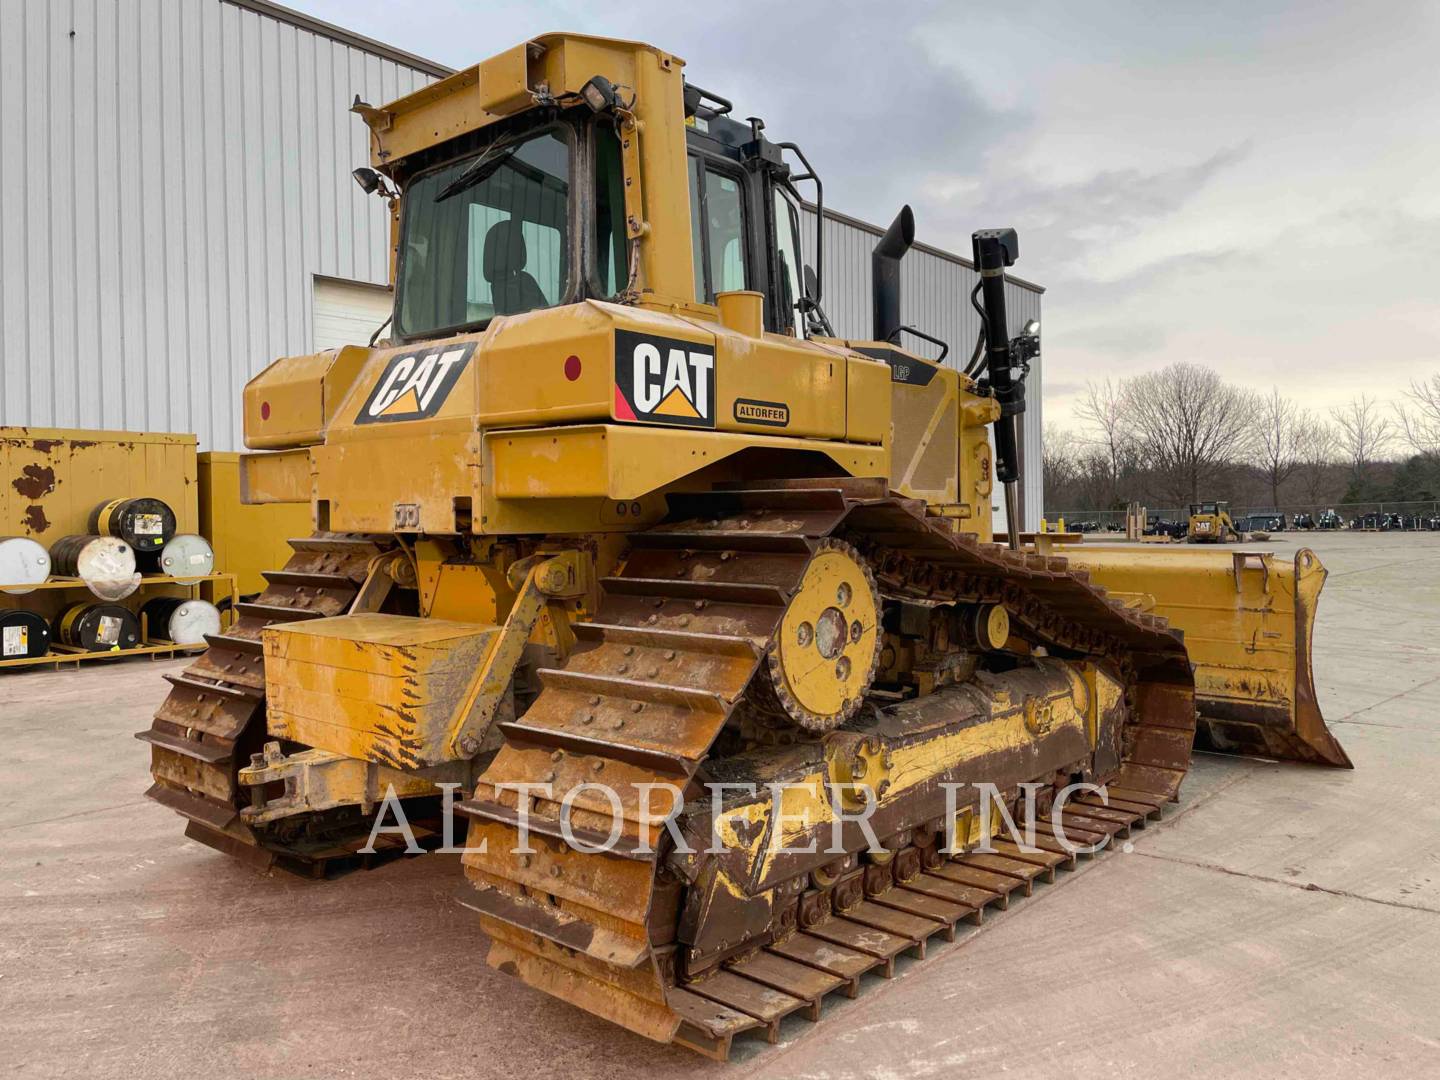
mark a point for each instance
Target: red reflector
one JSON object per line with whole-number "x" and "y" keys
{"x": 572, "y": 368}
{"x": 264, "y": 410}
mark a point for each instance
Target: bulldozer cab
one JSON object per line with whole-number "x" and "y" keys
{"x": 585, "y": 241}
{"x": 529, "y": 213}
{"x": 491, "y": 230}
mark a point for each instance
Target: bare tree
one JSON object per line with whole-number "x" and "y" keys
{"x": 1420, "y": 421}
{"x": 1279, "y": 426}
{"x": 1319, "y": 449}
{"x": 1364, "y": 433}
{"x": 1095, "y": 480}
{"x": 1059, "y": 459}
{"x": 1103, "y": 410}
{"x": 1189, "y": 424}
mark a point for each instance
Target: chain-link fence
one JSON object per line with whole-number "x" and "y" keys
{"x": 1423, "y": 514}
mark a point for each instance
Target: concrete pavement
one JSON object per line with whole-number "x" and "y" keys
{"x": 1283, "y": 919}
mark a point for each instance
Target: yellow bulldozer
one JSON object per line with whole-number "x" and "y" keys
{"x": 1211, "y": 523}
{"x": 692, "y": 611}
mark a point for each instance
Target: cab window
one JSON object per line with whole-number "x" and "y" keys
{"x": 486, "y": 235}
{"x": 787, "y": 254}
{"x": 717, "y": 218}
{"x": 612, "y": 271}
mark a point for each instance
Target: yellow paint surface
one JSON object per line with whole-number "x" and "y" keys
{"x": 374, "y": 687}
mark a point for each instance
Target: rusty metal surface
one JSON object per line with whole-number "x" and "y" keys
{"x": 708, "y": 592}
{"x": 1248, "y": 619}
{"x": 213, "y": 719}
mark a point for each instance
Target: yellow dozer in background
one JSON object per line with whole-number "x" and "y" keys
{"x": 1211, "y": 523}
{"x": 612, "y": 518}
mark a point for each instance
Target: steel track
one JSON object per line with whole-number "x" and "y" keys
{"x": 663, "y": 666}
{"x": 213, "y": 718}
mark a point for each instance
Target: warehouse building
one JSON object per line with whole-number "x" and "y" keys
{"x": 179, "y": 211}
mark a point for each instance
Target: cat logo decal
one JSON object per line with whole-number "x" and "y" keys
{"x": 415, "y": 384}
{"x": 661, "y": 380}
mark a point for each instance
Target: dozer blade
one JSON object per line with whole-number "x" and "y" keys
{"x": 1248, "y": 617}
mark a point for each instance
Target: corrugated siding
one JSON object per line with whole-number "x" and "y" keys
{"x": 934, "y": 297}
{"x": 177, "y": 173}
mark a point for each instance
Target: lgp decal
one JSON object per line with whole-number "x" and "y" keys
{"x": 660, "y": 380}
{"x": 415, "y": 384}
{"x": 903, "y": 369}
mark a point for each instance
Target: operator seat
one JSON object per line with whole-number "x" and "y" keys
{"x": 503, "y": 265}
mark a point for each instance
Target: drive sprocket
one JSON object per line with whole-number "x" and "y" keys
{"x": 824, "y": 658}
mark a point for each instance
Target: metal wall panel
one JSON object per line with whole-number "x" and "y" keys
{"x": 935, "y": 297}
{"x": 178, "y": 173}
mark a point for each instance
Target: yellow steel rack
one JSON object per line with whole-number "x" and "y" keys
{"x": 155, "y": 648}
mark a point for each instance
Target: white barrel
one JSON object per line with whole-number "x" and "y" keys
{"x": 106, "y": 564}
{"x": 23, "y": 562}
{"x": 183, "y": 621}
{"x": 185, "y": 557}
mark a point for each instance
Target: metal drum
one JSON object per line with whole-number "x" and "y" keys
{"x": 23, "y": 562}
{"x": 98, "y": 628}
{"x": 183, "y": 621}
{"x": 186, "y": 557}
{"x": 105, "y": 564}
{"x": 23, "y": 635}
{"x": 145, "y": 524}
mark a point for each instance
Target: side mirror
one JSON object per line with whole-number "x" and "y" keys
{"x": 812, "y": 282}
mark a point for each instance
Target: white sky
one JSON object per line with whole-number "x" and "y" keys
{"x": 1250, "y": 185}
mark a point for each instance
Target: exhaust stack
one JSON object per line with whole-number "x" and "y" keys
{"x": 885, "y": 275}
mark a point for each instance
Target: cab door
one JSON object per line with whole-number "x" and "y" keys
{"x": 779, "y": 384}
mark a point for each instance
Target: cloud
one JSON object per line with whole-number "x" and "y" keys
{"x": 1124, "y": 338}
{"x": 1063, "y": 389}
{"x": 855, "y": 87}
{"x": 1111, "y": 200}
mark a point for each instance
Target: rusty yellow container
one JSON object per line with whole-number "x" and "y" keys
{"x": 247, "y": 539}
{"x": 54, "y": 478}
